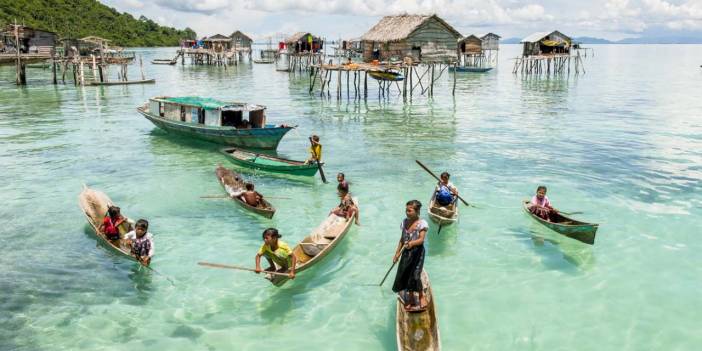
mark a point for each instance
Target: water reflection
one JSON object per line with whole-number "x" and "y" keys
{"x": 557, "y": 249}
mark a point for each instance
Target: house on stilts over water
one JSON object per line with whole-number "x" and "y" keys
{"x": 548, "y": 53}
{"x": 299, "y": 52}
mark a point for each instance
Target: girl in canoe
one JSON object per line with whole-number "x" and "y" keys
{"x": 315, "y": 150}
{"x": 346, "y": 208}
{"x": 540, "y": 205}
{"x": 276, "y": 252}
{"x": 111, "y": 223}
{"x": 410, "y": 252}
{"x": 141, "y": 242}
{"x": 445, "y": 191}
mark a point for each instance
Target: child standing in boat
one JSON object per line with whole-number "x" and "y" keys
{"x": 315, "y": 150}
{"x": 410, "y": 251}
{"x": 276, "y": 252}
{"x": 540, "y": 204}
{"x": 141, "y": 242}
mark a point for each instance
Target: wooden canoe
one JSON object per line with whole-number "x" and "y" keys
{"x": 233, "y": 183}
{"x": 269, "y": 163}
{"x": 163, "y": 62}
{"x": 126, "y": 82}
{"x": 94, "y": 205}
{"x": 314, "y": 247}
{"x": 581, "y": 231}
{"x": 471, "y": 69}
{"x": 442, "y": 215}
{"x": 418, "y": 331}
{"x": 386, "y": 76}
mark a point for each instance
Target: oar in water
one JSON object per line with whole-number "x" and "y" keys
{"x": 217, "y": 265}
{"x": 319, "y": 164}
{"x": 159, "y": 273}
{"x": 437, "y": 178}
{"x": 389, "y": 270}
{"x": 570, "y": 213}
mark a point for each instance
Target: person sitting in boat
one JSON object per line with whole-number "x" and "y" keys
{"x": 446, "y": 193}
{"x": 540, "y": 205}
{"x": 276, "y": 252}
{"x": 315, "y": 151}
{"x": 251, "y": 196}
{"x": 346, "y": 208}
{"x": 141, "y": 242}
{"x": 410, "y": 252}
{"x": 111, "y": 223}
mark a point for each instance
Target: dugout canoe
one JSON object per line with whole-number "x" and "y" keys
{"x": 470, "y": 69}
{"x": 442, "y": 215}
{"x": 386, "y": 75}
{"x": 126, "y": 82}
{"x": 269, "y": 163}
{"x": 163, "y": 62}
{"x": 581, "y": 231}
{"x": 314, "y": 247}
{"x": 94, "y": 204}
{"x": 418, "y": 331}
{"x": 233, "y": 183}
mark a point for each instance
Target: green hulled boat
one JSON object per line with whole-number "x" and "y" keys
{"x": 270, "y": 163}
{"x": 228, "y": 123}
{"x": 581, "y": 231}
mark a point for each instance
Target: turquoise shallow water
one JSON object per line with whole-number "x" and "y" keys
{"x": 620, "y": 143}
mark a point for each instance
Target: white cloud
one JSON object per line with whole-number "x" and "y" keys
{"x": 198, "y": 6}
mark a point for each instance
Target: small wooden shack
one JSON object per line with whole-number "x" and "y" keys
{"x": 543, "y": 43}
{"x": 491, "y": 41}
{"x": 303, "y": 42}
{"x": 470, "y": 45}
{"x": 240, "y": 40}
{"x": 421, "y": 37}
{"x": 31, "y": 40}
{"x": 217, "y": 42}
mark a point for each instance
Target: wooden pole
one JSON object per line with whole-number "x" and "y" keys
{"x": 19, "y": 73}
{"x": 365, "y": 85}
{"x": 53, "y": 70}
{"x": 455, "y": 67}
{"x": 141, "y": 67}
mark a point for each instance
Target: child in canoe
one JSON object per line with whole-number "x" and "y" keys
{"x": 250, "y": 196}
{"x": 445, "y": 191}
{"x": 111, "y": 223}
{"x": 141, "y": 242}
{"x": 276, "y": 252}
{"x": 346, "y": 208}
{"x": 410, "y": 252}
{"x": 540, "y": 205}
{"x": 315, "y": 150}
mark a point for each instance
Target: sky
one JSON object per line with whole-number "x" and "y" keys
{"x": 263, "y": 19}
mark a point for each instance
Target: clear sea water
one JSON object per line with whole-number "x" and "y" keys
{"x": 621, "y": 143}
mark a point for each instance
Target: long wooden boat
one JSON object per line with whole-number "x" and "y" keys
{"x": 215, "y": 121}
{"x": 163, "y": 62}
{"x": 94, "y": 204}
{"x": 418, "y": 331}
{"x": 314, "y": 247}
{"x": 471, "y": 69}
{"x": 126, "y": 82}
{"x": 386, "y": 75}
{"x": 269, "y": 163}
{"x": 264, "y": 61}
{"x": 581, "y": 231}
{"x": 233, "y": 183}
{"x": 442, "y": 215}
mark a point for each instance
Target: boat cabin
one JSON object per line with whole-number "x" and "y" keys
{"x": 208, "y": 112}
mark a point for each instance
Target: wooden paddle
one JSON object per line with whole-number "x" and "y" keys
{"x": 217, "y": 265}
{"x": 319, "y": 164}
{"x": 391, "y": 267}
{"x": 437, "y": 178}
{"x": 228, "y": 197}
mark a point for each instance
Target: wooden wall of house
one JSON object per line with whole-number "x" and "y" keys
{"x": 433, "y": 31}
{"x": 471, "y": 45}
{"x": 491, "y": 42}
{"x": 241, "y": 41}
{"x": 398, "y": 50}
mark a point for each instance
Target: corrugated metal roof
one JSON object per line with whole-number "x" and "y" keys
{"x": 535, "y": 37}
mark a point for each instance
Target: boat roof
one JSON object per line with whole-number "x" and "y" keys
{"x": 212, "y": 103}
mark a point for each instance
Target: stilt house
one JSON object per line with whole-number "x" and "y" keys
{"x": 302, "y": 42}
{"x": 240, "y": 40}
{"x": 31, "y": 40}
{"x": 546, "y": 43}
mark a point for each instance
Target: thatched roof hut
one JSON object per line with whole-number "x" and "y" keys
{"x": 422, "y": 37}
{"x": 217, "y": 42}
{"x": 546, "y": 43}
{"x": 300, "y": 42}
